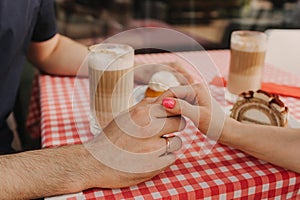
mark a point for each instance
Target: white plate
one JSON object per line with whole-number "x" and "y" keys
{"x": 293, "y": 123}
{"x": 139, "y": 93}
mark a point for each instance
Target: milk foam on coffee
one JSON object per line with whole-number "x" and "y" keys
{"x": 249, "y": 42}
{"x": 111, "y": 58}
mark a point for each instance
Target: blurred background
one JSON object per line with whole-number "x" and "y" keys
{"x": 209, "y": 22}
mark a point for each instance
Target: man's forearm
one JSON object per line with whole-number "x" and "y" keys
{"x": 47, "y": 172}
{"x": 276, "y": 145}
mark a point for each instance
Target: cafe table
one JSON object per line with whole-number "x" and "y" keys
{"x": 205, "y": 169}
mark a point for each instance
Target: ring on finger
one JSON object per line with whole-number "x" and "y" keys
{"x": 168, "y": 146}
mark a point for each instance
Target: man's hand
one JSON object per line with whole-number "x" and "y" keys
{"x": 131, "y": 148}
{"x": 144, "y": 72}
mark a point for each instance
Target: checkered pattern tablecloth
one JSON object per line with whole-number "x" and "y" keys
{"x": 200, "y": 172}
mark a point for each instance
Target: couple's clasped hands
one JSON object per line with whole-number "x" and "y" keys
{"x": 134, "y": 149}
{"x": 136, "y": 143}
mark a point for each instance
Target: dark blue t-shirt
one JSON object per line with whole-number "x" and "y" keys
{"x": 21, "y": 21}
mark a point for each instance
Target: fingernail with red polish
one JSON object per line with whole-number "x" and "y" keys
{"x": 168, "y": 103}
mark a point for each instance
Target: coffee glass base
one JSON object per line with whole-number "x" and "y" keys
{"x": 94, "y": 126}
{"x": 232, "y": 98}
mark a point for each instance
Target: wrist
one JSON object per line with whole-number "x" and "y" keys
{"x": 94, "y": 172}
{"x": 100, "y": 175}
{"x": 84, "y": 170}
{"x": 229, "y": 135}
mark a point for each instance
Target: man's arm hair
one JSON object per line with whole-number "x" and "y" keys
{"x": 47, "y": 172}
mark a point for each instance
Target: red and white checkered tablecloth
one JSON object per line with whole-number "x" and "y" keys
{"x": 200, "y": 173}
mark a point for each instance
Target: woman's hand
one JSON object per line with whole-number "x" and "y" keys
{"x": 277, "y": 145}
{"x": 196, "y": 103}
{"x": 144, "y": 72}
{"x": 192, "y": 101}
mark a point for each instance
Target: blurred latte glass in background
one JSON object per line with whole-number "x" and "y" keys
{"x": 248, "y": 49}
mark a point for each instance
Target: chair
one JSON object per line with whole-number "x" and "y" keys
{"x": 21, "y": 110}
{"x": 283, "y": 49}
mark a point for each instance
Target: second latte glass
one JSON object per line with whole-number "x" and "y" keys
{"x": 248, "y": 49}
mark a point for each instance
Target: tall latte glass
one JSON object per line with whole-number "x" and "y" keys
{"x": 110, "y": 82}
{"x": 248, "y": 49}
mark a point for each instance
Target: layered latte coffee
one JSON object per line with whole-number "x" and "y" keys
{"x": 248, "y": 49}
{"x": 111, "y": 82}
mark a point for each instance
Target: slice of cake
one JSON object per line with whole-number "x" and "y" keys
{"x": 260, "y": 107}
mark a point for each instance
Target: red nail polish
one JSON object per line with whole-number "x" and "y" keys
{"x": 168, "y": 103}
